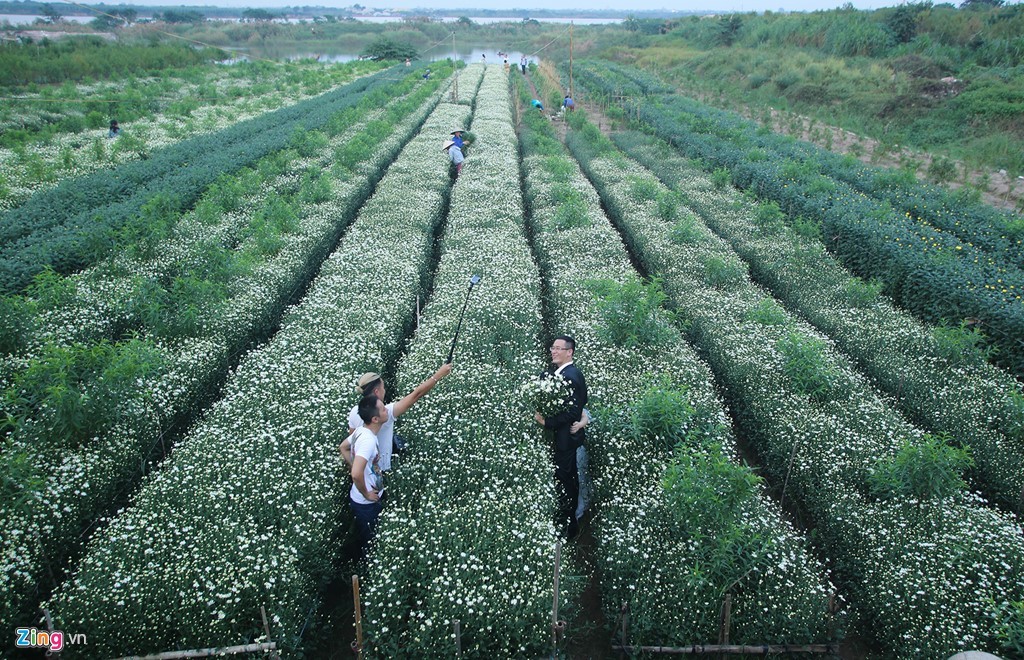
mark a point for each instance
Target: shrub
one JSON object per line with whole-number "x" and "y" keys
{"x": 721, "y": 178}
{"x": 806, "y": 366}
{"x": 642, "y": 189}
{"x": 962, "y": 344}
{"x": 767, "y": 312}
{"x": 663, "y": 417}
{"x": 631, "y": 313}
{"x": 928, "y": 470}
{"x": 706, "y": 493}
{"x": 861, "y": 293}
{"x": 722, "y": 272}
{"x": 686, "y": 230}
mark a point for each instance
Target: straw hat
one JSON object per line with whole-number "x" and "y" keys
{"x": 365, "y": 380}
{"x": 457, "y": 130}
{"x": 446, "y": 145}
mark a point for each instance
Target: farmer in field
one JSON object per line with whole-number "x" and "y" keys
{"x": 568, "y": 103}
{"x": 372, "y": 383}
{"x": 567, "y": 483}
{"x": 522, "y": 64}
{"x": 537, "y": 104}
{"x": 115, "y": 129}
{"x": 459, "y": 141}
{"x": 455, "y": 155}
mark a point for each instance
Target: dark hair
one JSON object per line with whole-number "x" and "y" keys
{"x": 368, "y": 408}
{"x": 570, "y": 343}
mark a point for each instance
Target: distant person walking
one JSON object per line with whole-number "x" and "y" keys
{"x": 483, "y": 58}
{"x": 115, "y": 129}
{"x": 522, "y": 64}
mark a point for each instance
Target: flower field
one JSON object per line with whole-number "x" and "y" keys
{"x": 154, "y": 113}
{"x": 258, "y": 530}
{"x": 926, "y": 268}
{"x": 938, "y": 377}
{"x": 132, "y": 391}
{"x": 182, "y": 332}
{"x": 823, "y": 431}
{"x": 671, "y": 563}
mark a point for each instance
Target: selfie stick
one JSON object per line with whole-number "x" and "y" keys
{"x": 473, "y": 281}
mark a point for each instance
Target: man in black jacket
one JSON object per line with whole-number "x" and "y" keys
{"x": 567, "y": 481}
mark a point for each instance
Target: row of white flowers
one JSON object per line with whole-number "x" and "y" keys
{"x": 978, "y": 404}
{"x": 83, "y": 482}
{"x": 887, "y": 552}
{"x": 469, "y": 532}
{"x": 248, "y": 510}
{"x": 247, "y": 92}
{"x": 642, "y": 557}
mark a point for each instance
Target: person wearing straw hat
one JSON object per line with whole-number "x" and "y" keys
{"x": 455, "y": 155}
{"x": 458, "y": 140}
{"x": 372, "y": 383}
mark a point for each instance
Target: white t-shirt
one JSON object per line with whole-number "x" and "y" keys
{"x": 364, "y": 443}
{"x": 384, "y": 436}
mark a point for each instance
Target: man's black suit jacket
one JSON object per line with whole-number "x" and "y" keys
{"x": 574, "y": 404}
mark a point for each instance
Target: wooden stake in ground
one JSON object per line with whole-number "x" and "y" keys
{"x": 359, "y": 617}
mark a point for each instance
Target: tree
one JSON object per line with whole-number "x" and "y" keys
{"x": 902, "y": 22}
{"x": 257, "y": 15}
{"x": 51, "y": 15}
{"x": 631, "y": 23}
{"x": 464, "y": 21}
{"x": 729, "y": 28}
{"x": 183, "y": 16}
{"x": 386, "y": 49}
{"x": 980, "y": 4}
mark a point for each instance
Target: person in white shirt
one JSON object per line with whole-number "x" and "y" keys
{"x": 367, "y": 480}
{"x": 372, "y": 383}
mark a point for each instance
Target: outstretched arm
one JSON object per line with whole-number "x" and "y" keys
{"x": 409, "y": 399}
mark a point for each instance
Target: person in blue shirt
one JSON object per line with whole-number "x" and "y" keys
{"x": 537, "y": 104}
{"x": 457, "y": 139}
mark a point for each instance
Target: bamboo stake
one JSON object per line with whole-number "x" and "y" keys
{"x": 359, "y": 616}
{"x": 266, "y": 629}
{"x": 764, "y": 649}
{"x": 554, "y": 606}
{"x": 723, "y": 633}
{"x": 458, "y": 637}
{"x": 206, "y": 653}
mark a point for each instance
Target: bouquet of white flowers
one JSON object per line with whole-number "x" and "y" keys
{"x": 545, "y": 393}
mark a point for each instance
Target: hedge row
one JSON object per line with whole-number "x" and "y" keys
{"x": 248, "y": 511}
{"x": 661, "y": 444}
{"x": 931, "y": 273}
{"x": 73, "y": 224}
{"x": 149, "y": 385}
{"x": 925, "y": 562}
{"x": 937, "y": 375}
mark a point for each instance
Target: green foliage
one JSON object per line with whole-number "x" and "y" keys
{"x": 386, "y": 49}
{"x": 806, "y": 228}
{"x": 631, "y": 313}
{"x": 723, "y": 272}
{"x": 571, "y": 212}
{"x": 941, "y": 170}
{"x": 664, "y": 418}
{"x": 769, "y": 217}
{"x": 308, "y": 143}
{"x": 1013, "y": 420}
{"x": 75, "y": 391}
{"x": 962, "y": 344}
{"x": 806, "y": 366}
{"x": 687, "y": 229}
{"x": 643, "y": 189}
{"x": 1010, "y": 627}
{"x": 929, "y": 470}
{"x": 861, "y": 293}
{"x": 16, "y": 322}
{"x": 707, "y": 493}
{"x": 669, "y": 202}
{"x": 767, "y": 312}
{"x": 721, "y": 178}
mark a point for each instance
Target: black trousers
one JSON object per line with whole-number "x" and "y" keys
{"x": 567, "y": 486}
